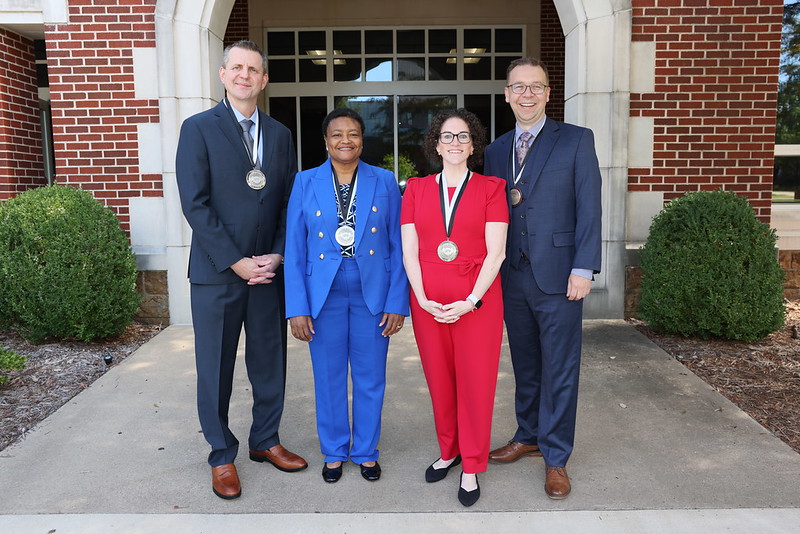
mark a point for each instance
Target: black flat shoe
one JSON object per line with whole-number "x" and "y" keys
{"x": 371, "y": 473}
{"x": 468, "y": 498}
{"x": 435, "y": 475}
{"x": 331, "y": 474}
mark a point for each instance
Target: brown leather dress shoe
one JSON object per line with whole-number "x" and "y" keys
{"x": 512, "y": 452}
{"x": 280, "y": 458}
{"x": 556, "y": 482}
{"x": 225, "y": 481}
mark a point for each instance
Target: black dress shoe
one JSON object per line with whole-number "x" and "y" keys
{"x": 468, "y": 498}
{"x": 371, "y": 473}
{"x": 435, "y": 475}
{"x": 331, "y": 474}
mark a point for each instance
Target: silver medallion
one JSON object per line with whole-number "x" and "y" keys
{"x": 516, "y": 197}
{"x": 447, "y": 250}
{"x": 256, "y": 179}
{"x": 345, "y": 235}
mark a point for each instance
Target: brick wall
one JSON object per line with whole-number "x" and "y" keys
{"x": 21, "y": 160}
{"x": 552, "y": 54}
{"x": 715, "y": 96}
{"x": 94, "y": 106}
{"x": 238, "y": 23}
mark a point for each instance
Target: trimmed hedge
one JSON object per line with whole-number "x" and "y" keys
{"x": 66, "y": 268}
{"x": 710, "y": 269}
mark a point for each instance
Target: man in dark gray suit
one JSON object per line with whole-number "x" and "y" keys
{"x": 234, "y": 168}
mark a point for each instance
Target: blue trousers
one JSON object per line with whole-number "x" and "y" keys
{"x": 348, "y": 334}
{"x": 544, "y": 336}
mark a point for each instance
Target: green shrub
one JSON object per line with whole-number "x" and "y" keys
{"x": 66, "y": 269}
{"x": 10, "y": 360}
{"x": 710, "y": 269}
{"x": 405, "y": 167}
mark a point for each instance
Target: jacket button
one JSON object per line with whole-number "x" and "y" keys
{"x": 318, "y": 213}
{"x": 371, "y": 252}
{"x": 374, "y": 230}
{"x": 524, "y": 233}
{"x": 322, "y": 256}
{"x": 375, "y": 209}
{"x": 321, "y": 235}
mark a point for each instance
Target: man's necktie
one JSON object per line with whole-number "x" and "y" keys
{"x": 246, "y": 124}
{"x": 522, "y": 146}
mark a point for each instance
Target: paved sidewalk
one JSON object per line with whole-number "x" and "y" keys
{"x": 657, "y": 450}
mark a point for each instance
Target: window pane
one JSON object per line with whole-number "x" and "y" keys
{"x": 477, "y": 68}
{"x": 312, "y": 111}
{"x": 311, "y": 72}
{"x": 281, "y": 70}
{"x": 283, "y": 110}
{"x": 378, "y": 69}
{"x": 442, "y": 68}
{"x": 280, "y": 44}
{"x": 411, "y": 41}
{"x": 500, "y": 66}
{"x": 786, "y": 180}
{"x": 348, "y": 42}
{"x": 441, "y": 41}
{"x": 411, "y": 69}
{"x": 414, "y": 117}
{"x": 311, "y": 41}
{"x": 378, "y": 41}
{"x": 508, "y": 40}
{"x": 477, "y": 41}
{"x": 503, "y": 116}
{"x": 347, "y": 70}
{"x": 378, "y": 115}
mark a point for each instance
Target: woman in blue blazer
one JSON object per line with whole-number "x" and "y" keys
{"x": 346, "y": 289}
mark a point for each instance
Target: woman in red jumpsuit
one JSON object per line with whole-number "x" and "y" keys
{"x": 454, "y": 228}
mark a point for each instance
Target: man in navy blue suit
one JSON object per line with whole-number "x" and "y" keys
{"x": 553, "y": 251}
{"x": 235, "y": 167}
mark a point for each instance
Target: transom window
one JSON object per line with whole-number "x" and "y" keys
{"x": 397, "y": 78}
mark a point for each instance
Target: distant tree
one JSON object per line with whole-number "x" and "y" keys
{"x": 788, "y": 124}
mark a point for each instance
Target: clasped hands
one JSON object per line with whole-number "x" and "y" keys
{"x": 447, "y": 313}
{"x": 302, "y": 326}
{"x": 258, "y": 269}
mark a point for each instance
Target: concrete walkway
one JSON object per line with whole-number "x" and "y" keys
{"x": 657, "y": 450}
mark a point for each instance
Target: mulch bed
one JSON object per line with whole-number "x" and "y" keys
{"x": 54, "y": 373}
{"x": 762, "y": 378}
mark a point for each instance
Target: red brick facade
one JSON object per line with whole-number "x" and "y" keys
{"x": 21, "y": 160}
{"x": 238, "y": 23}
{"x": 95, "y": 109}
{"x": 552, "y": 54}
{"x": 715, "y": 96}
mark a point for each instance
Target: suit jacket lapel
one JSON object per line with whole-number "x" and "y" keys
{"x": 228, "y": 128}
{"x": 365, "y": 194}
{"x": 542, "y": 148}
{"x": 322, "y": 183}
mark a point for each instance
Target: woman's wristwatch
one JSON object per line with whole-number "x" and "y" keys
{"x": 476, "y": 302}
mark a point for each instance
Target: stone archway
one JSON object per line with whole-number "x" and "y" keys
{"x": 189, "y": 36}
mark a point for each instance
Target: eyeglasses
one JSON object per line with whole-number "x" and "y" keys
{"x": 447, "y": 137}
{"x": 519, "y": 88}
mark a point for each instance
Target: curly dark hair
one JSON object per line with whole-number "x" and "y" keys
{"x": 342, "y": 112}
{"x": 475, "y": 126}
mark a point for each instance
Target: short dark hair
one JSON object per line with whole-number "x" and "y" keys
{"x": 475, "y": 126}
{"x": 246, "y": 45}
{"x": 342, "y": 112}
{"x": 529, "y": 61}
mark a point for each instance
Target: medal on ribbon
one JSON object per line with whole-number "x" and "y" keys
{"x": 516, "y": 196}
{"x": 345, "y": 234}
{"x": 447, "y": 249}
